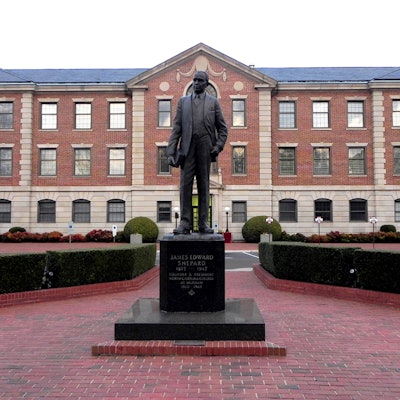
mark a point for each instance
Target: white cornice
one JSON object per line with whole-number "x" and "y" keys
{"x": 322, "y": 86}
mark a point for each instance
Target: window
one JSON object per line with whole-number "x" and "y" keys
{"x": 83, "y": 116}
{"x": 115, "y": 210}
{"x": 239, "y": 211}
{"x": 396, "y": 113}
{"x": 355, "y": 114}
{"x": 320, "y": 114}
{"x": 323, "y": 208}
{"x": 287, "y": 114}
{"x": 82, "y": 162}
{"x": 5, "y": 161}
{"x": 163, "y": 166}
{"x": 396, "y": 160}
{"x": 164, "y": 113}
{"x": 48, "y": 162}
{"x": 358, "y": 210}
{"x": 397, "y": 210}
{"x": 164, "y": 211}
{"x": 48, "y": 116}
{"x": 6, "y": 114}
{"x": 238, "y": 160}
{"x": 357, "y": 161}
{"x": 116, "y": 162}
{"x": 117, "y": 115}
{"x": 238, "y": 113}
{"x": 322, "y": 161}
{"x": 81, "y": 210}
{"x": 46, "y": 211}
{"x": 210, "y": 89}
{"x": 5, "y": 210}
{"x": 287, "y": 161}
{"x": 288, "y": 210}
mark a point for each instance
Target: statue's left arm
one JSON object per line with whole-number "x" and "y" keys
{"x": 220, "y": 127}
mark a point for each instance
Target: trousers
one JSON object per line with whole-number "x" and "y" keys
{"x": 197, "y": 165}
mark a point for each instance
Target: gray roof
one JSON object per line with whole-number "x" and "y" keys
{"x": 69, "y": 76}
{"x": 332, "y": 74}
{"x": 122, "y": 75}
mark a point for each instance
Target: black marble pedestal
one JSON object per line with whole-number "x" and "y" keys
{"x": 192, "y": 273}
{"x": 192, "y": 304}
{"x": 241, "y": 320}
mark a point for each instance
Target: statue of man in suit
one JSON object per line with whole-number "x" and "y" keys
{"x": 199, "y": 133}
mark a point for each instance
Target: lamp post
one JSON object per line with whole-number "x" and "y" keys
{"x": 269, "y": 221}
{"x": 373, "y": 221}
{"x": 227, "y": 209}
{"x": 176, "y": 209}
{"x": 319, "y": 220}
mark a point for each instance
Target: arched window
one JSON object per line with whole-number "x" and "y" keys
{"x": 210, "y": 89}
{"x": 81, "y": 210}
{"x": 5, "y": 210}
{"x": 323, "y": 208}
{"x": 115, "y": 210}
{"x": 46, "y": 210}
{"x": 288, "y": 210}
{"x": 397, "y": 210}
{"x": 358, "y": 210}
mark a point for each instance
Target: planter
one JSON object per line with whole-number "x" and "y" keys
{"x": 228, "y": 237}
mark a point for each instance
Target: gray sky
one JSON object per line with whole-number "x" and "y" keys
{"x": 145, "y": 33}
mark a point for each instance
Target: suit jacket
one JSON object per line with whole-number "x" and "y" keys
{"x": 214, "y": 122}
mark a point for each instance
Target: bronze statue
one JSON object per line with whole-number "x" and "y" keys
{"x": 199, "y": 133}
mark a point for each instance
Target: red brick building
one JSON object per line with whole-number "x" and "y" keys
{"x": 88, "y": 146}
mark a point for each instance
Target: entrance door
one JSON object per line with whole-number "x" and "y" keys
{"x": 195, "y": 208}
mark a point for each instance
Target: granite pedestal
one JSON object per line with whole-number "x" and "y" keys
{"x": 192, "y": 304}
{"x": 241, "y": 320}
{"x": 192, "y": 273}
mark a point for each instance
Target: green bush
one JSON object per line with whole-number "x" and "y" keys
{"x": 143, "y": 226}
{"x": 256, "y": 226}
{"x": 308, "y": 263}
{"x": 378, "y": 270}
{"x": 388, "y": 228}
{"x": 21, "y": 272}
{"x": 339, "y": 266}
{"x": 82, "y": 267}
{"x": 16, "y": 229}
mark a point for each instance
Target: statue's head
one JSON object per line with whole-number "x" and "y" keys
{"x": 200, "y": 81}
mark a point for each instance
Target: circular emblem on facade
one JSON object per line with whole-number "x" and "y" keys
{"x": 238, "y": 86}
{"x": 164, "y": 86}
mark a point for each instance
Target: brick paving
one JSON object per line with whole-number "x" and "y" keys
{"x": 336, "y": 349}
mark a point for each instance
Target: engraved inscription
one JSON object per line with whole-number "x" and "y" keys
{"x": 191, "y": 271}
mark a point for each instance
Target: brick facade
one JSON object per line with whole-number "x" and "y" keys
{"x": 261, "y": 188}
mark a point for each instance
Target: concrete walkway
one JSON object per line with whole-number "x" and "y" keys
{"x": 336, "y": 349}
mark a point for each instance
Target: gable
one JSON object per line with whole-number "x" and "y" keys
{"x": 199, "y": 58}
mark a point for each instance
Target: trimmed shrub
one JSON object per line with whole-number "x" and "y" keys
{"x": 339, "y": 266}
{"x": 143, "y": 226}
{"x": 21, "y": 272}
{"x": 256, "y": 226}
{"x": 388, "y": 228}
{"x": 81, "y": 267}
{"x": 378, "y": 270}
{"x": 308, "y": 262}
{"x": 16, "y": 229}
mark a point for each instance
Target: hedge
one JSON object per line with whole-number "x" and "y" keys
{"x": 82, "y": 267}
{"x": 64, "y": 268}
{"x": 21, "y": 272}
{"x": 339, "y": 266}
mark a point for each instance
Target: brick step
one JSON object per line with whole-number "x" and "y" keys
{"x": 187, "y": 348}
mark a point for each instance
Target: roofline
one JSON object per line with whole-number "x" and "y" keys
{"x": 199, "y": 49}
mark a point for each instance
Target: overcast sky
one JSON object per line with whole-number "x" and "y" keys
{"x": 145, "y": 33}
